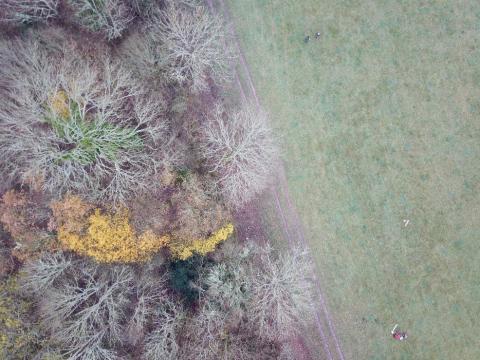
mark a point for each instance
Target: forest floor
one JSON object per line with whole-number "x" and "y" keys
{"x": 379, "y": 124}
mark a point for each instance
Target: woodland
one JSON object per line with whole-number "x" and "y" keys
{"x": 124, "y": 163}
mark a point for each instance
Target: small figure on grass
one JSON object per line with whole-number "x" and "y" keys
{"x": 317, "y": 35}
{"x": 306, "y": 39}
{"x": 398, "y": 335}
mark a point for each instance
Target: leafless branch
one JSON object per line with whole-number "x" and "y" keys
{"x": 42, "y": 273}
{"x": 282, "y": 294}
{"x": 162, "y": 342}
{"x": 28, "y": 11}
{"x": 110, "y": 16}
{"x": 183, "y": 43}
{"x": 85, "y": 310}
{"x": 32, "y": 76}
{"x": 239, "y": 148}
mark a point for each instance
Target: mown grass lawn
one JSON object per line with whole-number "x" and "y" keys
{"x": 380, "y": 123}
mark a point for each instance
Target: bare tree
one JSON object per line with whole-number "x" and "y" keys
{"x": 68, "y": 122}
{"x": 43, "y": 272}
{"x": 287, "y": 352}
{"x": 142, "y": 8}
{"x": 239, "y": 149}
{"x": 83, "y": 306}
{"x": 282, "y": 294}
{"x": 28, "y": 11}
{"x": 249, "y": 304}
{"x": 86, "y": 313}
{"x": 224, "y": 327}
{"x": 184, "y": 43}
{"x": 214, "y": 333}
{"x": 202, "y": 337}
{"x": 111, "y": 17}
{"x": 151, "y": 299}
{"x": 95, "y": 312}
{"x": 256, "y": 285}
{"x": 162, "y": 343}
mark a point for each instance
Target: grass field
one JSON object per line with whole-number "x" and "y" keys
{"x": 380, "y": 123}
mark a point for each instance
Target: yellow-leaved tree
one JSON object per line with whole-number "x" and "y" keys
{"x": 110, "y": 236}
{"x": 105, "y": 237}
{"x": 183, "y": 251}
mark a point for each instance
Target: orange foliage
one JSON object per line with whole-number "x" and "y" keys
{"x": 20, "y": 217}
{"x": 70, "y": 214}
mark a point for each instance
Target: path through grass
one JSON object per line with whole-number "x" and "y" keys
{"x": 380, "y": 121}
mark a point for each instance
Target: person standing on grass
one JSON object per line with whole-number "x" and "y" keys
{"x": 398, "y": 335}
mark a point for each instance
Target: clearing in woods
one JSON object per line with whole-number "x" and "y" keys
{"x": 380, "y": 126}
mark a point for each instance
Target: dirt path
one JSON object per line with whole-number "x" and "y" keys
{"x": 292, "y": 228}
